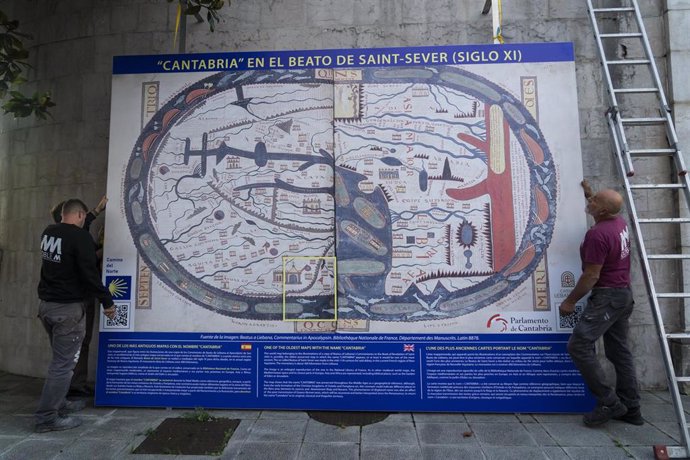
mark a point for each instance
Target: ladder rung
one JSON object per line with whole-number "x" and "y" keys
{"x": 682, "y": 379}
{"x": 673, "y": 295}
{"x": 656, "y": 186}
{"x": 651, "y": 152}
{"x": 668, "y": 257}
{"x": 643, "y": 121}
{"x": 635, "y": 90}
{"x": 665, "y": 220}
{"x": 678, "y": 335}
{"x": 613, "y": 10}
{"x": 622, "y": 35}
{"x": 629, "y": 62}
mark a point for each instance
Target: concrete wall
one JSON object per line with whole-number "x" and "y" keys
{"x": 678, "y": 19}
{"x": 44, "y": 162}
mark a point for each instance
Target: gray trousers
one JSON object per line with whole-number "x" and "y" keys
{"x": 606, "y": 314}
{"x": 81, "y": 369}
{"x": 65, "y": 325}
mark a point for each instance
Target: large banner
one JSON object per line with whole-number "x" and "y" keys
{"x": 372, "y": 229}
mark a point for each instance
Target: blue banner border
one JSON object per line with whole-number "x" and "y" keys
{"x": 346, "y": 58}
{"x": 419, "y": 345}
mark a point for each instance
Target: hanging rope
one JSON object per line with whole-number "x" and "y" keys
{"x": 177, "y": 24}
{"x": 499, "y": 28}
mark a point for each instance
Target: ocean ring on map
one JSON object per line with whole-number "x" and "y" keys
{"x": 532, "y": 245}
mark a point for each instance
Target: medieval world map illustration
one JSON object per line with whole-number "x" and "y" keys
{"x": 380, "y": 195}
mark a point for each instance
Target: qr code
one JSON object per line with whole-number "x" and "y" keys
{"x": 569, "y": 321}
{"x": 121, "y": 319}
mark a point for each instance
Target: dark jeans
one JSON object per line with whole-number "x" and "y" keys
{"x": 606, "y": 314}
{"x": 64, "y": 323}
{"x": 81, "y": 370}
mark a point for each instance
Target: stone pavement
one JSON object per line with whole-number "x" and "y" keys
{"x": 113, "y": 433}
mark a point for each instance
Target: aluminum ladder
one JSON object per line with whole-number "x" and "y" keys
{"x": 625, "y": 52}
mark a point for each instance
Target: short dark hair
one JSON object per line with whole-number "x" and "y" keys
{"x": 74, "y": 205}
{"x": 56, "y": 212}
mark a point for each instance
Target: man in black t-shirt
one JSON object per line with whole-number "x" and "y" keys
{"x": 79, "y": 386}
{"x": 69, "y": 275}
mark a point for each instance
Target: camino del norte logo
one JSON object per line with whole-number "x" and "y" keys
{"x": 120, "y": 287}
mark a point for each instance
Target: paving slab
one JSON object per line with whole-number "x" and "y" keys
{"x": 659, "y": 413}
{"x": 17, "y": 404}
{"x": 555, "y": 453}
{"x": 574, "y": 435}
{"x": 233, "y": 448}
{"x": 446, "y": 433}
{"x": 333, "y": 451}
{"x": 598, "y": 453}
{"x": 526, "y": 418}
{"x": 118, "y": 427}
{"x": 440, "y": 452}
{"x": 539, "y": 434}
{"x": 7, "y": 442}
{"x": 428, "y": 417}
{"x": 15, "y": 425}
{"x": 398, "y": 417}
{"x": 647, "y": 397}
{"x": 36, "y": 449}
{"x": 284, "y": 415}
{"x": 86, "y": 449}
{"x": 502, "y": 434}
{"x": 131, "y": 456}
{"x": 632, "y": 435}
{"x": 558, "y": 418}
{"x": 388, "y": 451}
{"x": 136, "y": 442}
{"x": 265, "y": 430}
{"x": 391, "y": 433}
{"x": 136, "y": 412}
{"x": 501, "y": 418}
{"x": 671, "y": 429}
{"x": 641, "y": 453}
{"x": 254, "y": 450}
{"x": 318, "y": 432}
{"x": 243, "y": 430}
{"x": 515, "y": 453}
{"x": 235, "y": 414}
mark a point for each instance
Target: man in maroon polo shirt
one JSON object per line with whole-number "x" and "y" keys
{"x": 605, "y": 254}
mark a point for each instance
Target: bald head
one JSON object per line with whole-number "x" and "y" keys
{"x": 605, "y": 204}
{"x": 611, "y": 201}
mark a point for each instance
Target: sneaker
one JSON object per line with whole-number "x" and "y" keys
{"x": 602, "y": 414}
{"x": 633, "y": 416}
{"x": 59, "y": 424}
{"x": 72, "y": 406}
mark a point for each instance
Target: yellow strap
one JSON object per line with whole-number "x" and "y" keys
{"x": 177, "y": 24}
{"x": 499, "y": 29}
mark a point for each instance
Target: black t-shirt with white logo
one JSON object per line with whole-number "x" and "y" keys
{"x": 69, "y": 270}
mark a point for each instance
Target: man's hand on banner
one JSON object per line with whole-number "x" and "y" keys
{"x": 110, "y": 311}
{"x": 587, "y": 189}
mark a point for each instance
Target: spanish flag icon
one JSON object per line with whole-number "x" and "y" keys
{"x": 246, "y": 347}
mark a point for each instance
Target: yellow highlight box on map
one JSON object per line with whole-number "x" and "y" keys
{"x": 304, "y": 279}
